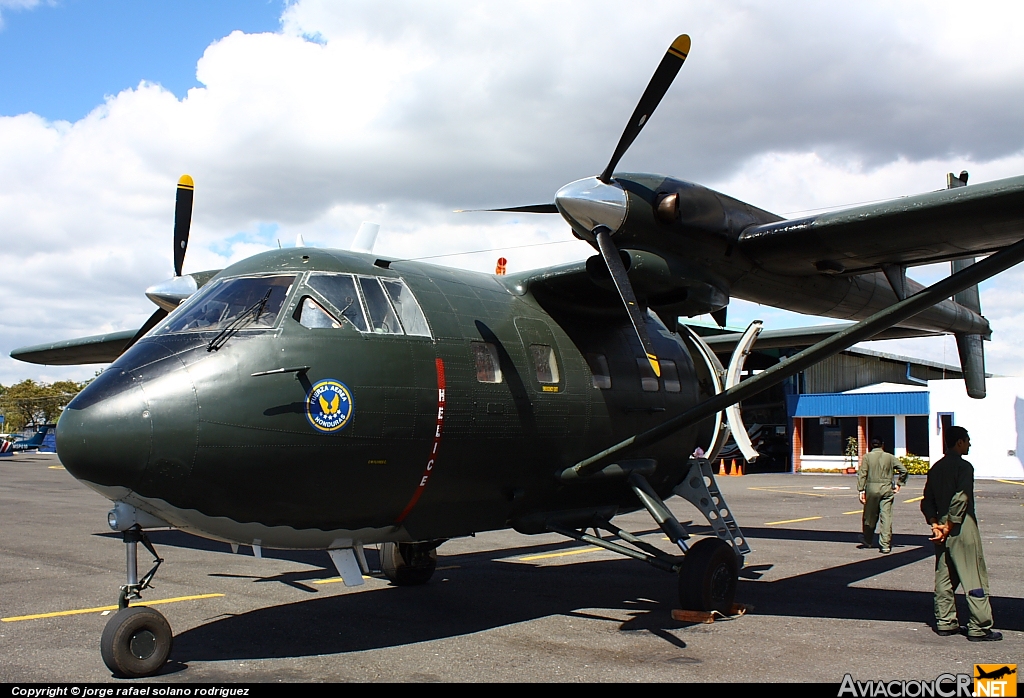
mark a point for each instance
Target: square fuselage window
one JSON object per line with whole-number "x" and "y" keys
{"x": 488, "y": 369}
{"x": 601, "y": 376}
{"x": 544, "y": 363}
{"x": 670, "y": 376}
{"x": 648, "y": 381}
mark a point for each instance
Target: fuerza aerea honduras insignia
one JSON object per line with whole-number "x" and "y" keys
{"x": 329, "y": 406}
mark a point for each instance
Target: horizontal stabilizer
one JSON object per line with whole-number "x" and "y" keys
{"x": 95, "y": 349}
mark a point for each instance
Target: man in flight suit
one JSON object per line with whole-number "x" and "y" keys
{"x": 874, "y": 482}
{"x": 948, "y": 505}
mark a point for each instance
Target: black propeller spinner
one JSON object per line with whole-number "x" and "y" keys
{"x": 596, "y": 207}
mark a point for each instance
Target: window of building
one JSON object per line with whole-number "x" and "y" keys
{"x": 917, "y": 435}
{"x": 670, "y": 376}
{"x": 340, "y": 291}
{"x": 488, "y": 368}
{"x": 648, "y": 381}
{"x": 827, "y": 436}
{"x": 544, "y": 363}
{"x": 601, "y": 376}
{"x": 311, "y": 314}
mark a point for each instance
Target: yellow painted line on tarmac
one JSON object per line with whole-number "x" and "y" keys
{"x": 855, "y": 511}
{"x": 55, "y": 467}
{"x": 779, "y": 491}
{"x": 776, "y": 523}
{"x": 334, "y": 580}
{"x": 577, "y": 551}
{"x": 915, "y": 499}
{"x": 1012, "y": 482}
{"x": 100, "y": 609}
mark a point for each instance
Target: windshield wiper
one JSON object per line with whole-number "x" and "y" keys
{"x": 247, "y": 316}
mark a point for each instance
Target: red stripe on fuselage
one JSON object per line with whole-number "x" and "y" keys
{"x": 432, "y": 458}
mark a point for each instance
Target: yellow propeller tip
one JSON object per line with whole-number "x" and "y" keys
{"x": 681, "y": 46}
{"x": 655, "y": 365}
{"x": 186, "y": 182}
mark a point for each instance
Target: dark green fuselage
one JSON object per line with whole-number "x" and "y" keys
{"x": 190, "y": 435}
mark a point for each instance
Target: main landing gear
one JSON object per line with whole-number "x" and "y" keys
{"x": 408, "y": 564}
{"x": 708, "y": 570}
{"x": 137, "y": 640}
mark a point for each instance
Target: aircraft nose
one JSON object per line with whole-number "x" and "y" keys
{"x": 133, "y": 427}
{"x": 105, "y": 435}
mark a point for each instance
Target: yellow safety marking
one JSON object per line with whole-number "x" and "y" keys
{"x": 1011, "y": 482}
{"x": 681, "y": 46}
{"x": 100, "y": 609}
{"x": 185, "y": 182}
{"x": 563, "y": 554}
{"x": 770, "y": 489}
{"x": 334, "y": 580}
{"x": 855, "y": 511}
{"x": 915, "y": 499}
{"x": 55, "y": 467}
{"x": 807, "y": 518}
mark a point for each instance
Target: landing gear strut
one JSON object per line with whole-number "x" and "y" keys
{"x": 709, "y": 569}
{"x": 408, "y": 564}
{"x": 136, "y": 640}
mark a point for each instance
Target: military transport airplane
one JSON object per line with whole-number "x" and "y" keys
{"x": 330, "y": 399}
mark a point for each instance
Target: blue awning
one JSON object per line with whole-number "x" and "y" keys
{"x": 857, "y": 404}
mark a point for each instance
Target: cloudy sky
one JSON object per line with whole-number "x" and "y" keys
{"x": 312, "y": 116}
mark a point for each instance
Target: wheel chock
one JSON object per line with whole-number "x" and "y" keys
{"x": 685, "y": 616}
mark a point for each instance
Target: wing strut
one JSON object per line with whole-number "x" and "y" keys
{"x": 864, "y": 330}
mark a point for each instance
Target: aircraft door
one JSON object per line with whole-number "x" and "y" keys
{"x": 546, "y": 376}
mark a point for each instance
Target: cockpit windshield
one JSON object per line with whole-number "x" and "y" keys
{"x": 226, "y": 301}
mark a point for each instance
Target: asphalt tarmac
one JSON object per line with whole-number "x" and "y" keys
{"x": 506, "y": 607}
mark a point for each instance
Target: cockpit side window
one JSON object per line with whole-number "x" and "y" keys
{"x": 340, "y": 290}
{"x": 226, "y": 301}
{"x": 311, "y": 314}
{"x": 408, "y": 309}
{"x": 383, "y": 319}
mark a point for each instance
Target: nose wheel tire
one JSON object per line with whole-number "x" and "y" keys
{"x": 408, "y": 564}
{"x": 707, "y": 579}
{"x": 136, "y": 642}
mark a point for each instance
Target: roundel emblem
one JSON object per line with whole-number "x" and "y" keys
{"x": 329, "y": 406}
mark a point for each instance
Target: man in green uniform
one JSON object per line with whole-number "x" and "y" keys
{"x": 948, "y": 505}
{"x": 875, "y": 484}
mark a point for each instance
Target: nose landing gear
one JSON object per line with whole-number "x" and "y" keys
{"x": 136, "y": 640}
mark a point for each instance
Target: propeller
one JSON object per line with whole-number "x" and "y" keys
{"x": 182, "y": 223}
{"x": 596, "y": 207}
{"x": 182, "y": 220}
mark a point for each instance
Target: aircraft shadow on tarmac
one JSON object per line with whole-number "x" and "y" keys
{"x": 478, "y": 598}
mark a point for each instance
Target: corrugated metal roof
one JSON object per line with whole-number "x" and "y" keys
{"x": 856, "y": 404}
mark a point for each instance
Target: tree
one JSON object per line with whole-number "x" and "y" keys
{"x": 28, "y": 403}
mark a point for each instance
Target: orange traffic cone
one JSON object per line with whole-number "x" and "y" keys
{"x": 721, "y": 468}
{"x": 732, "y": 467}
{"x": 739, "y": 468}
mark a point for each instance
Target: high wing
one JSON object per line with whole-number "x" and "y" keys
{"x": 95, "y": 349}
{"x": 948, "y": 224}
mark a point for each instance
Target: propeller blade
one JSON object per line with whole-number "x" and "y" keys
{"x": 535, "y": 208}
{"x": 610, "y": 254}
{"x": 182, "y": 221}
{"x": 652, "y": 96}
{"x": 152, "y": 322}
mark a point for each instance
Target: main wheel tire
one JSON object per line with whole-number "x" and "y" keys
{"x": 136, "y": 642}
{"x": 408, "y": 564}
{"x": 707, "y": 580}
